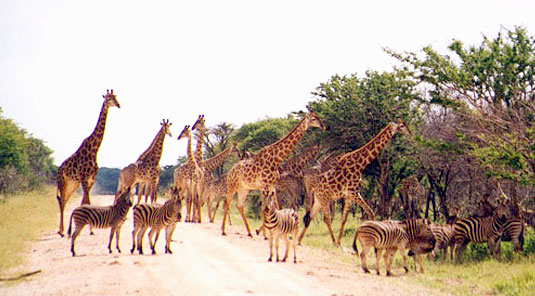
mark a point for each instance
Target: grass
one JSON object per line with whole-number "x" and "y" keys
{"x": 514, "y": 274}
{"x": 23, "y": 217}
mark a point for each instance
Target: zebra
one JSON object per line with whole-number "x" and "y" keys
{"x": 279, "y": 223}
{"x": 102, "y": 217}
{"x": 392, "y": 236}
{"x": 513, "y": 231}
{"x": 444, "y": 239}
{"x": 480, "y": 230}
{"x": 157, "y": 217}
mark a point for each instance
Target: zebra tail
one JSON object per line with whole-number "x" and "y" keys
{"x": 355, "y": 244}
{"x": 306, "y": 219}
{"x": 70, "y": 226}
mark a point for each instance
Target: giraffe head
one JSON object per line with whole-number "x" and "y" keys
{"x": 199, "y": 122}
{"x": 185, "y": 133}
{"x": 314, "y": 121}
{"x": 110, "y": 99}
{"x": 165, "y": 126}
{"x": 401, "y": 127}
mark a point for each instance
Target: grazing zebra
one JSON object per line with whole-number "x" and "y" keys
{"x": 156, "y": 217}
{"x": 513, "y": 231}
{"x": 444, "y": 239}
{"x": 279, "y": 223}
{"x": 102, "y": 217}
{"x": 480, "y": 230}
{"x": 392, "y": 236}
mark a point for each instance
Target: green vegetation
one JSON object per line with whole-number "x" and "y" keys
{"x": 25, "y": 162}
{"x": 23, "y": 218}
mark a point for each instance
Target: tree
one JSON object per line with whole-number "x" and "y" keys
{"x": 356, "y": 109}
{"x": 25, "y": 162}
{"x": 491, "y": 89}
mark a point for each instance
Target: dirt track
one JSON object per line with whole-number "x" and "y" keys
{"x": 203, "y": 263}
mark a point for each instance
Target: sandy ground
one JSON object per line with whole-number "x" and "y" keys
{"x": 203, "y": 263}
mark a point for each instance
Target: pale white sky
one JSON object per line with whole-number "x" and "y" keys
{"x": 234, "y": 61}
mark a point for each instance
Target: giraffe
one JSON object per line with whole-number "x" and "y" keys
{"x": 146, "y": 170}
{"x": 188, "y": 176}
{"x": 208, "y": 166}
{"x": 261, "y": 171}
{"x": 345, "y": 180}
{"x": 289, "y": 187}
{"x": 199, "y": 158}
{"x": 412, "y": 193}
{"x": 81, "y": 167}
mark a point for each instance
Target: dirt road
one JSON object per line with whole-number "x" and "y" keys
{"x": 203, "y": 263}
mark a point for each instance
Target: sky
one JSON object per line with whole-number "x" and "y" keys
{"x": 233, "y": 61}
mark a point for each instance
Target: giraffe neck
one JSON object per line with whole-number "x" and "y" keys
{"x": 295, "y": 164}
{"x": 364, "y": 155}
{"x": 95, "y": 139}
{"x": 155, "y": 149}
{"x": 191, "y": 156}
{"x": 279, "y": 150}
{"x": 198, "y": 149}
{"x": 214, "y": 162}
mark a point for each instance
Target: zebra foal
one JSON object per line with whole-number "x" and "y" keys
{"x": 279, "y": 223}
{"x": 392, "y": 236}
{"x": 444, "y": 239}
{"x": 102, "y": 217}
{"x": 157, "y": 217}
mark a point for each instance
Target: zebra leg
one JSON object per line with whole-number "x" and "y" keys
{"x": 460, "y": 248}
{"x": 134, "y": 232}
{"x": 378, "y": 258}
{"x": 277, "y": 239}
{"x": 404, "y": 256}
{"x": 270, "y": 240}
{"x": 140, "y": 235}
{"x": 155, "y": 240}
{"x": 117, "y": 235}
{"x": 388, "y": 257}
{"x": 363, "y": 258}
{"x": 112, "y": 232}
{"x": 287, "y": 243}
{"x": 73, "y": 238}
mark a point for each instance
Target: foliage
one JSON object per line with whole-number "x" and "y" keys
{"x": 491, "y": 87}
{"x": 356, "y": 109}
{"x": 254, "y": 136}
{"x": 25, "y": 162}
{"x": 106, "y": 181}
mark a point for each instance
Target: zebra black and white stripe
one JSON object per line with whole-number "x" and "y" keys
{"x": 392, "y": 236}
{"x": 157, "y": 217}
{"x": 101, "y": 217}
{"x": 513, "y": 231}
{"x": 444, "y": 239}
{"x": 479, "y": 230}
{"x": 279, "y": 223}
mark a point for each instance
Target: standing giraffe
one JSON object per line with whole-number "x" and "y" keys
{"x": 188, "y": 177}
{"x": 146, "y": 170}
{"x": 261, "y": 171}
{"x": 344, "y": 180}
{"x": 208, "y": 166}
{"x": 81, "y": 167}
{"x": 199, "y": 158}
{"x": 412, "y": 193}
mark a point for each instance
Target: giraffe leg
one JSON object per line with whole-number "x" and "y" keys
{"x": 327, "y": 220}
{"x": 242, "y": 213}
{"x": 66, "y": 188}
{"x": 226, "y": 208}
{"x": 316, "y": 207}
{"x": 86, "y": 187}
{"x": 347, "y": 206}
